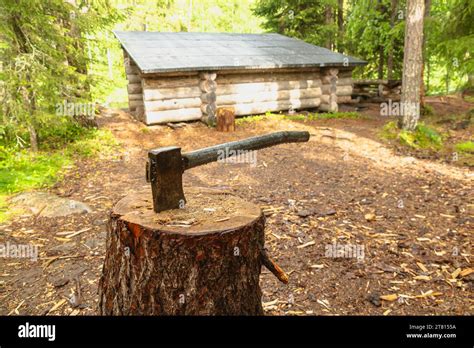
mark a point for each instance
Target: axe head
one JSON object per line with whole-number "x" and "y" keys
{"x": 165, "y": 173}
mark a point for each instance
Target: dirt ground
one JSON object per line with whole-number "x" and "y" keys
{"x": 409, "y": 221}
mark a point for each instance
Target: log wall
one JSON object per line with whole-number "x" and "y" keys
{"x": 172, "y": 99}
{"x": 256, "y": 92}
{"x": 163, "y": 98}
{"x": 134, "y": 88}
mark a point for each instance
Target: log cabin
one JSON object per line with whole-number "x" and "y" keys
{"x": 175, "y": 77}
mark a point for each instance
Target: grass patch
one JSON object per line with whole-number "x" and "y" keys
{"x": 465, "y": 147}
{"x": 23, "y": 170}
{"x": 423, "y": 137}
{"x": 298, "y": 117}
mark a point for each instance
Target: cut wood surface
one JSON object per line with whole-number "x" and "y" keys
{"x": 340, "y": 90}
{"x": 209, "y": 109}
{"x": 225, "y": 118}
{"x": 209, "y": 97}
{"x": 344, "y": 81}
{"x": 134, "y": 79}
{"x": 230, "y": 99}
{"x": 136, "y": 96}
{"x": 204, "y": 259}
{"x": 207, "y": 85}
{"x": 132, "y": 70}
{"x": 134, "y": 88}
{"x": 179, "y": 115}
{"x": 134, "y": 103}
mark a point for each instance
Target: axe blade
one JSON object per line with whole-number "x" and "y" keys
{"x": 165, "y": 173}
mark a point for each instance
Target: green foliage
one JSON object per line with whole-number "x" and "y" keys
{"x": 22, "y": 170}
{"x": 466, "y": 147}
{"x": 298, "y": 117}
{"x": 308, "y": 20}
{"x": 46, "y": 57}
{"x": 423, "y": 137}
{"x": 25, "y": 170}
{"x": 370, "y": 34}
{"x": 190, "y": 15}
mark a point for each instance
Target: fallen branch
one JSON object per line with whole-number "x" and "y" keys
{"x": 273, "y": 267}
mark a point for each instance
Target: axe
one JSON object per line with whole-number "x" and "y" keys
{"x": 166, "y": 165}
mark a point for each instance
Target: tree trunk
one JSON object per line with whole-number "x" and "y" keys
{"x": 328, "y": 21}
{"x": 423, "y": 50}
{"x": 340, "y": 25}
{"x": 412, "y": 64}
{"x": 381, "y": 61}
{"x": 204, "y": 259}
{"x": 33, "y": 137}
{"x": 393, "y": 16}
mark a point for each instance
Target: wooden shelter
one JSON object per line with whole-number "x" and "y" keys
{"x": 174, "y": 77}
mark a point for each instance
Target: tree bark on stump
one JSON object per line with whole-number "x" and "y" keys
{"x": 204, "y": 259}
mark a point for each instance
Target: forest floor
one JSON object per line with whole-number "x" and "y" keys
{"x": 409, "y": 221}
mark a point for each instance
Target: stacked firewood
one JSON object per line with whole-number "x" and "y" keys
{"x": 377, "y": 90}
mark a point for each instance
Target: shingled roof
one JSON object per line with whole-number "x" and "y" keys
{"x": 156, "y": 52}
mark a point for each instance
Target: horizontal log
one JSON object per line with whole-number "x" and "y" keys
{"x": 180, "y": 115}
{"x": 134, "y": 88}
{"x": 268, "y": 77}
{"x": 340, "y": 90}
{"x": 131, "y": 78}
{"x": 170, "y": 82}
{"x": 230, "y": 99}
{"x": 171, "y": 93}
{"x": 172, "y": 104}
{"x": 328, "y": 107}
{"x": 265, "y": 86}
{"x": 135, "y": 96}
{"x": 345, "y": 73}
{"x": 344, "y": 99}
{"x": 344, "y": 81}
{"x": 389, "y": 83}
{"x": 262, "y": 107}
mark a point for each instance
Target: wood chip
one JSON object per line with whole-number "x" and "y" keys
{"x": 369, "y": 217}
{"x": 223, "y": 219}
{"x": 422, "y": 277}
{"x": 455, "y": 274}
{"x": 466, "y": 272}
{"x": 390, "y": 298}
{"x": 317, "y": 266}
{"x": 306, "y": 244}
{"x": 422, "y": 267}
{"x": 57, "y": 305}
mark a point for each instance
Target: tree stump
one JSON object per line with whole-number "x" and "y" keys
{"x": 225, "y": 119}
{"x": 204, "y": 259}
